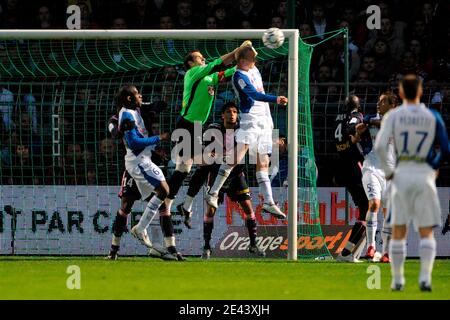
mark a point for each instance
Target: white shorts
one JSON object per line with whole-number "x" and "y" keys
{"x": 374, "y": 184}
{"x": 147, "y": 175}
{"x": 256, "y": 132}
{"x": 414, "y": 197}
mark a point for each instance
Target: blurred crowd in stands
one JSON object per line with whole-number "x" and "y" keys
{"x": 413, "y": 38}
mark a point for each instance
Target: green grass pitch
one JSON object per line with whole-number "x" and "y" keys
{"x": 228, "y": 279}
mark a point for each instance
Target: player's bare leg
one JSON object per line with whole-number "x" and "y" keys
{"x": 397, "y": 252}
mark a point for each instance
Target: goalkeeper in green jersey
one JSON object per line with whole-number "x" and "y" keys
{"x": 200, "y": 82}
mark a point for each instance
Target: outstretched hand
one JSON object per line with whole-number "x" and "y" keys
{"x": 282, "y": 100}
{"x": 246, "y": 43}
{"x": 164, "y": 136}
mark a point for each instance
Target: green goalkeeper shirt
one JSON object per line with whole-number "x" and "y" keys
{"x": 199, "y": 88}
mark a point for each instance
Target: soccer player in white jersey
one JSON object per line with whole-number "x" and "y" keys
{"x": 415, "y": 130}
{"x": 373, "y": 178}
{"x": 255, "y": 129}
{"x": 148, "y": 177}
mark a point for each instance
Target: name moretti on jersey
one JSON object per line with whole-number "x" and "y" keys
{"x": 415, "y": 121}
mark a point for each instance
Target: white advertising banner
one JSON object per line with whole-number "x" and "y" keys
{"x": 77, "y": 220}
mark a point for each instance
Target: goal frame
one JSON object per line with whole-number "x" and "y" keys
{"x": 226, "y": 34}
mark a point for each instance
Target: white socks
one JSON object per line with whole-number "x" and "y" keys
{"x": 427, "y": 252}
{"x": 397, "y": 253}
{"x": 169, "y": 241}
{"x": 188, "y": 201}
{"x": 149, "y": 213}
{"x": 262, "y": 177}
{"x": 371, "y": 228}
{"x": 222, "y": 176}
{"x": 386, "y": 233}
{"x": 168, "y": 203}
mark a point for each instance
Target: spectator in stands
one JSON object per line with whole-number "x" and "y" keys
{"x": 324, "y": 73}
{"x": 368, "y": 64}
{"x": 359, "y": 30}
{"x": 166, "y": 22}
{"x": 245, "y": 24}
{"x": 6, "y": 108}
{"x": 184, "y": 18}
{"x": 155, "y": 129}
{"x": 6, "y": 140}
{"x": 279, "y": 172}
{"x": 281, "y": 9}
{"x": 170, "y": 74}
{"x": 428, "y": 12}
{"x": 247, "y": 10}
{"x": 339, "y": 45}
{"x": 91, "y": 176}
{"x": 87, "y": 21}
{"x": 210, "y": 7}
{"x": 324, "y": 91}
{"x": 25, "y": 131}
{"x": 140, "y": 20}
{"x": 422, "y": 55}
{"x": 29, "y": 106}
{"x": 384, "y": 64}
{"x": 277, "y": 22}
{"x": 44, "y": 18}
{"x": 220, "y": 12}
{"x": 420, "y": 31}
{"x": 119, "y": 23}
{"x": 26, "y": 169}
{"x": 211, "y": 22}
{"x": 107, "y": 162}
{"x": 409, "y": 65}
{"x": 154, "y": 9}
{"x": 330, "y": 57}
{"x": 363, "y": 89}
{"x": 10, "y": 15}
{"x": 395, "y": 42}
{"x": 319, "y": 20}
{"x": 305, "y": 30}
{"x": 74, "y": 165}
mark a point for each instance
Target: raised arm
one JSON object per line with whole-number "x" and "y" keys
{"x": 242, "y": 82}
{"x": 131, "y": 135}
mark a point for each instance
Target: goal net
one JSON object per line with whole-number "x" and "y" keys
{"x": 61, "y": 170}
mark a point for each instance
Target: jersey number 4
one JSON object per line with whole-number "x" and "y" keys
{"x": 338, "y": 132}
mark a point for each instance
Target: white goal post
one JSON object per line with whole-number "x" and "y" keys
{"x": 291, "y": 34}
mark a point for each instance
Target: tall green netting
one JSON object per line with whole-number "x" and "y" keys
{"x": 61, "y": 171}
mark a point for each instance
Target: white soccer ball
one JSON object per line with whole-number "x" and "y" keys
{"x": 273, "y": 38}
